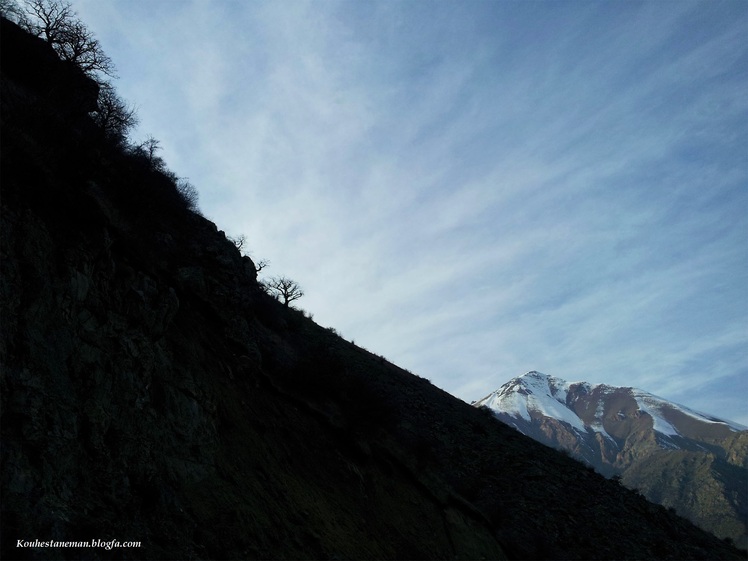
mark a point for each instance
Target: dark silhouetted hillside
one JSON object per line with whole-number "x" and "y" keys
{"x": 152, "y": 392}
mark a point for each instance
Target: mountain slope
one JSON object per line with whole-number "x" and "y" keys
{"x": 678, "y": 457}
{"x": 150, "y": 391}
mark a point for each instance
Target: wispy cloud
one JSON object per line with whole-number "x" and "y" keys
{"x": 473, "y": 189}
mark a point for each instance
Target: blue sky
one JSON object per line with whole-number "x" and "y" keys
{"x": 473, "y": 189}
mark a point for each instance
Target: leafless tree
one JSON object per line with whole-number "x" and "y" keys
{"x": 56, "y": 22}
{"x": 49, "y": 19}
{"x": 188, "y": 192}
{"x": 148, "y": 150}
{"x": 10, "y": 9}
{"x": 284, "y": 288}
{"x": 239, "y": 241}
{"x": 82, "y": 48}
{"x": 113, "y": 115}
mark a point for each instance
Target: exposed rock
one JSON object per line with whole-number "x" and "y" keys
{"x": 697, "y": 466}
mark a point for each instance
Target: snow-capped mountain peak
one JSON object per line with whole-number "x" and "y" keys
{"x": 535, "y": 396}
{"x": 677, "y": 456}
{"x": 534, "y": 393}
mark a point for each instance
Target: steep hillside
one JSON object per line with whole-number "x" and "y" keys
{"x": 151, "y": 392}
{"x": 677, "y": 457}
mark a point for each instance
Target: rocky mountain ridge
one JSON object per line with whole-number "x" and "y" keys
{"x": 693, "y": 462}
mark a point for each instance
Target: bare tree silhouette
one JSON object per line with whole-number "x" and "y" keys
{"x": 284, "y": 288}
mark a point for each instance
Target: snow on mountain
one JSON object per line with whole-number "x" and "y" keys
{"x": 534, "y": 392}
{"x": 535, "y": 395}
{"x": 676, "y": 456}
{"x": 654, "y": 406}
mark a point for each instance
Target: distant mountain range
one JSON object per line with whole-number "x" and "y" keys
{"x": 693, "y": 462}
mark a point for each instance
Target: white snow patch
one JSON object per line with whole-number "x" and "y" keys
{"x": 651, "y": 405}
{"x": 545, "y": 395}
{"x": 704, "y": 418}
{"x": 550, "y": 407}
{"x": 534, "y": 392}
{"x": 510, "y": 403}
{"x": 597, "y": 426}
{"x": 654, "y": 405}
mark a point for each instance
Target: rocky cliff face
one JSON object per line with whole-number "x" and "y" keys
{"x": 150, "y": 392}
{"x": 676, "y": 457}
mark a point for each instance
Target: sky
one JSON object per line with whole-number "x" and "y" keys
{"x": 473, "y": 189}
